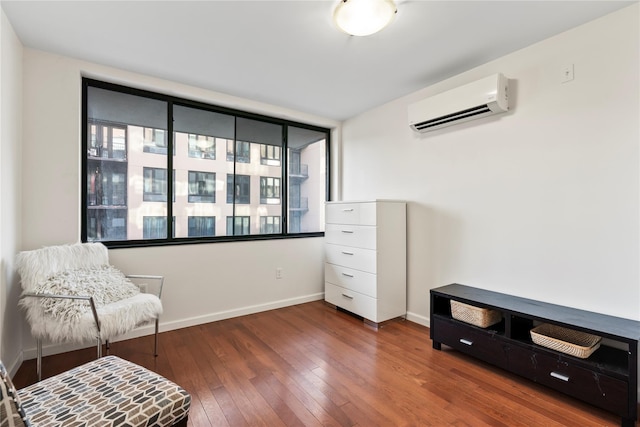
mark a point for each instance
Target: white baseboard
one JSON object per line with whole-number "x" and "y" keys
{"x": 213, "y": 317}
{"x": 419, "y": 319}
{"x": 12, "y": 366}
{"x": 49, "y": 349}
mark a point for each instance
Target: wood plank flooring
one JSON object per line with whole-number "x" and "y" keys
{"x": 311, "y": 365}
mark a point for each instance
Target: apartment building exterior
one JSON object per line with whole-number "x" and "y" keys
{"x": 220, "y": 186}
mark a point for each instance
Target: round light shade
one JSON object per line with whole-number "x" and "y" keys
{"x": 363, "y": 17}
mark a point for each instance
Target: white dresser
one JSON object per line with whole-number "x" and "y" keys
{"x": 365, "y": 258}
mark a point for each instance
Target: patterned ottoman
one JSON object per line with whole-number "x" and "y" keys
{"x": 106, "y": 392}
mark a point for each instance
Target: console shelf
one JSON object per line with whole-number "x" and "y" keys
{"x": 608, "y": 378}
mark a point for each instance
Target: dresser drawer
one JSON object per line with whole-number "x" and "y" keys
{"x": 361, "y": 236}
{"x": 346, "y": 256}
{"x": 348, "y": 278}
{"x": 470, "y": 340}
{"x": 352, "y": 301}
{"x": 593, "y": 387}
{"x": 351, "y": 213}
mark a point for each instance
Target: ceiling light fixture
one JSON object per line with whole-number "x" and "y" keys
{"x": 363, "y": 17}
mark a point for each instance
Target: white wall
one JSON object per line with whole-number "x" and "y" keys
{"x": 204, "y": 282}
{"x": 542, "y": 202}
{"x": 10, "y": 194}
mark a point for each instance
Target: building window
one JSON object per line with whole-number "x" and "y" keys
{"x": 107, "y": 141}
{"x": 107, "y": 224}
{"x": 238, "y": 225}
{"x": 269, "y": 190}
{"x": 202, "y": 147}
{"x": 242, "y": 152}
{"x": 155, "y": 185}
{"x": 107, "y": 185}
{"x": 269, "y": 224}
{"x": 155, "y": 141}
{"x": 270, "y": 155}
{"x": 202, "y": 226}
{"x": 238, "y": 189}
{"x": 202, "y": 187}
{"x": 132, "y": 138}
{"x": 154, "y": 227}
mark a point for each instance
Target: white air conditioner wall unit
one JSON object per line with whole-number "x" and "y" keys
{"x": 469, "y": 102}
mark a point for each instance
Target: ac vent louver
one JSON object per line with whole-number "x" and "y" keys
{"x": 452, "y": 117}
{"x": 472, "y": 101}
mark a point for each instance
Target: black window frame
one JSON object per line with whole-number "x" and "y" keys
{"x": 172, "y": 101}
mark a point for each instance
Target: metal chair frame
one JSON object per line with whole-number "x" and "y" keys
{"x": 96, "y": 319}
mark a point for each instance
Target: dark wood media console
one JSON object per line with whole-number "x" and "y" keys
{"x": 607, "y": 379}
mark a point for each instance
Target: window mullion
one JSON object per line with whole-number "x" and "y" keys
{"x": 235, "y": 175}
{"x": 170, "y": 175}
{"x": 285, "y": 180}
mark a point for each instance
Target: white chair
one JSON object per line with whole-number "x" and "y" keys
{"x": 72, "y": 294}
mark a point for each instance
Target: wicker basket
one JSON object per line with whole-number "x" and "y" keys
{"x": 482, "y": 317}
{"x": 575, "y": 343}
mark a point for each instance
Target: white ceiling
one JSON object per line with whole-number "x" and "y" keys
{"x": 288, "y": 53}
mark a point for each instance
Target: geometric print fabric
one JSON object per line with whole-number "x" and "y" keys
{"x": 11, "y": 412}
{"x": 108, "y": 392}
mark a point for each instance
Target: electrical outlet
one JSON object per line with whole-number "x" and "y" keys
{"x": 278, "y": 273}
{"x": 567, "y": 73}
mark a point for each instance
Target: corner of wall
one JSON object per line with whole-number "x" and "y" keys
{"x": 10, "y": 192}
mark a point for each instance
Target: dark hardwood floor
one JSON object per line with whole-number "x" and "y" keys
{"x": 310, "y": 365}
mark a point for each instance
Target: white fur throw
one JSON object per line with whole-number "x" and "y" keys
{"x": 82, "y": 269}
{"x": 106, "y": 284}
{"x": 38, "y": 265}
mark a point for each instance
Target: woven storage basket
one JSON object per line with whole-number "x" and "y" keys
{"x": 477, "y": 316}
{"x": 575, "y": 343}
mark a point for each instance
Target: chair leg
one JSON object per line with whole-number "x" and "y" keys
{"x": 99, "y": 348}
{"x": 108, "y": 347}
{"x": 39, "y": 358}
{"x": 155, "y": 350}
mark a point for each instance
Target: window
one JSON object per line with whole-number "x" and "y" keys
{"x": 202, "y": 226}
{"x": 106, "y": 181}
{"x": 238, "y": 225}
{"x": 238, "y": 189}
{"x": 154, "y": 227}
{"x": 274, "y": 173}
{"x": 269, "y": 224}
{"x": 107, "y": 185}
{"x": 202, "y": 187}
{"x": 155, "y": 185}
{"x": 202, "y": 147}
{"x": 242, "y": 152}
{"x": 270, "y": 155}
{"x": 307, "y": 174}
{"x": 107, "y": 224}
{"x": 107, "y": 141}
{"x": 269, "y": 190}
{"x": 155, "y": 141}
